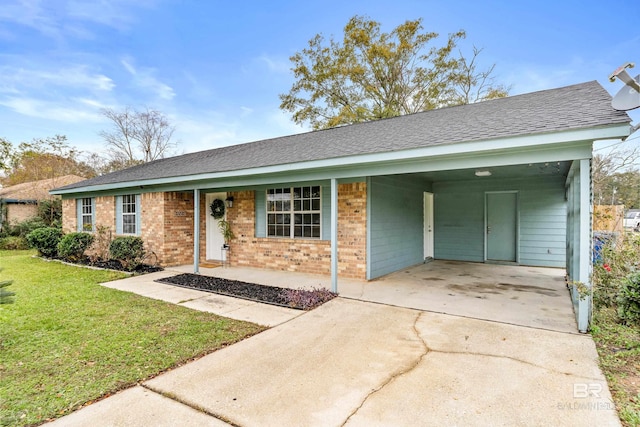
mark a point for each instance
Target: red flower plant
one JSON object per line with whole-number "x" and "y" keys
{"x": 606, "y": 267}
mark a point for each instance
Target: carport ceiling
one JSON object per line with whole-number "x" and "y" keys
{"x": 501, "y": 172}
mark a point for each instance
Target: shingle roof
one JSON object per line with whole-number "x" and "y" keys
{"x": 37, "y": 190}
{"x": 578, "y": 106}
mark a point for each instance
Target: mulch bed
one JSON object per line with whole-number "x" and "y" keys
{"x": 117, "y": 265}
{"x": 302, "y": 299}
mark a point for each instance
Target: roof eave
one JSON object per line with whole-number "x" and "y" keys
{"x": 616, "y": 131}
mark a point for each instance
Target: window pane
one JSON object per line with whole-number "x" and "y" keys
{"x": 87, "y": 225}
{"x": 129, "y": 224}
{"x": 281, "y": 204}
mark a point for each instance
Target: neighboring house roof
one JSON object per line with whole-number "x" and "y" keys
{"x": 36, "y": 190}
{"x": 585, "y": 105}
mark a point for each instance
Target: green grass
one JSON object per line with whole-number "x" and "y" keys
{"x": 619, "y": 351}
{"x": 67, "y": 341}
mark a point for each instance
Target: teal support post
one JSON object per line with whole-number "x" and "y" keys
{"x": 196, "y": 231}
{"x": 334, "y": 235}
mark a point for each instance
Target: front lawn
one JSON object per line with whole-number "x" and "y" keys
{"x": 619, "y": 350}
{"x": 67, "y": 341}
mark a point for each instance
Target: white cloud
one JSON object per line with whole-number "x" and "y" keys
{"x": 144, "y": 78}
{"x": 51, "y": 110}
{"x": 111, "y": 13}
{"x": 213, "y": 129}
{"x": 277, "y": 65}
{"x": 18, "y": 79}
{"x": 74, "y": 18}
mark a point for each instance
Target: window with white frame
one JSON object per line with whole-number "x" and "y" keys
{"x": 294, "y": 212}
{"x": 129, "y": 214}
{"x": 86, "y": 214}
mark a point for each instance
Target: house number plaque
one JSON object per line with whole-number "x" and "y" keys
{"x": 180, "y": 213}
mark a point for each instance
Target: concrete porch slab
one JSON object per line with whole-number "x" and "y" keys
{"x": 233, "y": 308}
{"x": 527, "y": 296}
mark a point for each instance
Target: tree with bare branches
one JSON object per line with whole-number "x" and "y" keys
{"x": 616, "y": 179}
{"x": 138, "y": 136}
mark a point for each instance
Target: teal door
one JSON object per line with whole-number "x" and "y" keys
{"x": 501, "y": 226}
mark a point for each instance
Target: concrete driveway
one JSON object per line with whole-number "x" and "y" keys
{"x": 358, "y": 363}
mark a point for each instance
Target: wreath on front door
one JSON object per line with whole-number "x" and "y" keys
{"x": 217, "y": 209}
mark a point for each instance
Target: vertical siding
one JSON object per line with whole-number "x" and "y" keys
{"x": 459, "y": 219}
{"x": 396, "y": 224}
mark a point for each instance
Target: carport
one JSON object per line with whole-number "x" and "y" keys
{"x": 526, "y": 208}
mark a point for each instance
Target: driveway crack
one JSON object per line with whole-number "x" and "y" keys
{"x": 425, "y": 351}
{"x": 515, "y": 359}
{"x": 199, "y": 408}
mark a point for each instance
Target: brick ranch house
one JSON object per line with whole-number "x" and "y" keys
{"x": 501, "y": 181}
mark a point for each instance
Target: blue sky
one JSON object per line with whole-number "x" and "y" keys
{"x": 216, "y": 67}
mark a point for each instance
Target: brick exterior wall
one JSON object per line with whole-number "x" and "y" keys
{"x": 166, "y": 223}
{"x": 167, "y": 226}
{"x": 309, "y": 256}
{"x": 167, "y": 229}
{"x": 69, "y": 220}
{"x": 18, "y": 212}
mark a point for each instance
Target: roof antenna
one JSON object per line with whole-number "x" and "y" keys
{"x": 628, "y": 98}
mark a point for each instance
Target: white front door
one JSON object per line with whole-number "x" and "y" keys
{"x": 214, "y": 235}
{"x": 428, "y": 225}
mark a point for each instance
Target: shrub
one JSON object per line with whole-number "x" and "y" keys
{"x": 21, "y": 229}
{"x": 13, "y": 243}
{"x": 50, "y": 212}
{"x": 629, "y": 300}
{"x": 128, "y": 250}
{"x": 6, "y": 297}
{"x": 45, "y": 240}
{"x": 617, "y": 259}
{"x": 101, "y": 243}
{"x": 72, "y": 246}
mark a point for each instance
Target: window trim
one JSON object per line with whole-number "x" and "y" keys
{"x": 80, "y": 214}
{"x": 120, "y": 214}
{"x": 293, "y": 212}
